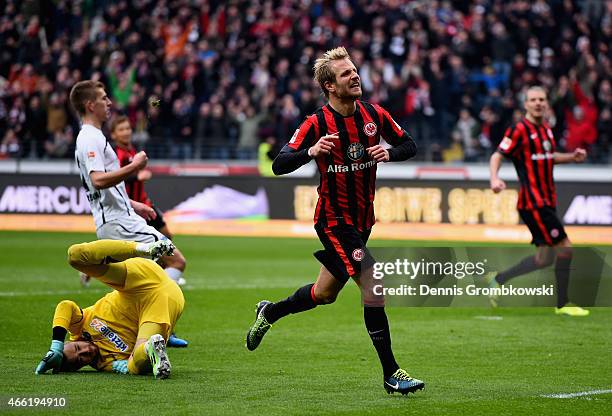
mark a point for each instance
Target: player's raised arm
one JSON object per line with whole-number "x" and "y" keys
{"x": 68, "y": 316}
{"x": 103, "y": 180}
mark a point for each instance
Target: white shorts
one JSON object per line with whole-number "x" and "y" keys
{"x": 129, "y": 229}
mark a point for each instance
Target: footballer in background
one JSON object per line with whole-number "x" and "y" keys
{"x": 121, "y": 133}
{"x": 532, "y": 148}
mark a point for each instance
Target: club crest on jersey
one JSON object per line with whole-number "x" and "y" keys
{"x": 534, "y": 136}
{"x": 370, "y": 129}
{"x": 554, "y": 233}
{"x": 358, "y": 254}
{"x": 91, "y": 155}
{"x": 355, "y": 151}
{"x": 547, "y": 146}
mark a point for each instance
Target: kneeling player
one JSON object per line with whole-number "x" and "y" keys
{"x": 125, "y": 331}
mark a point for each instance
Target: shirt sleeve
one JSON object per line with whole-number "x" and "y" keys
{"x": 511, "y": 141}
{"x": 305, "y": 136}
{"x": 93, "y": 153}
{"x": 392, "y": 132}
{"x": 289, "y": 160}
{"x": 69, "y": 316}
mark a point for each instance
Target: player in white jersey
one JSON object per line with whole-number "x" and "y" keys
{"x": 95, "y": 155}
{"x": 116, "y": 216}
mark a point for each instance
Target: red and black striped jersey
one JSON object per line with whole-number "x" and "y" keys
{"x": 347, "y": 175}
{"x": 531, "y": 147}
{"x": 133, "y": 186}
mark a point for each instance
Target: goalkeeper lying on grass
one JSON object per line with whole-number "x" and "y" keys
{"x": 125, "y": 331}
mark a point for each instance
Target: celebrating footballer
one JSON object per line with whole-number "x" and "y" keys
{"x": 343, "y": 138}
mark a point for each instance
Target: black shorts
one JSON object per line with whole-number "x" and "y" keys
{"x": 345, "y": 250}
{"x": 158, "y": 223}
{"x": 546, "y": 228}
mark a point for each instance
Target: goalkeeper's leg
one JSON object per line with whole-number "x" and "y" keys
{"x": 149, "y": 353}
{"x": 102, "y": 259}
{"x": 93, "y": 259}
{"x": 100, "y": 252}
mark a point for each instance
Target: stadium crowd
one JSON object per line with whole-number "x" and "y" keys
{"x": 230, "y": 75}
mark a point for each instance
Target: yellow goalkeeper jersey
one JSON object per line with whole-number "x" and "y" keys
{"x": 112, "y": 322}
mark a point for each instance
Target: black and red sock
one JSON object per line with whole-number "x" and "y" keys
{"x": 562, "y": 272}
{"x": 378, "y": 328}
{"x": 527, "y": 265}
{"x": 302, "y": 300}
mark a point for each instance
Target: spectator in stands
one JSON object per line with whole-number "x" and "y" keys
{"x": 265, "y": 156}
{"x": 581, "y": 121}
{"x": 248, "y": 121}
{"x": 288, "y": 117}
{"x": 182, "y": 128}
{"x": 430, "y": 54}
{"x": 9, "y": 147}
{"x": 215, "y": 133}
{"x": 36, "y": 125}
{"x": 491, "y": 128}
{"x": 57, "y": 115}
{"x": 17, "y": 117}
{"x": 121, "y": 82}
{"x": 141, "y": 136}
{"x": 60, "y": 144}
{"x": 468, "y": 130}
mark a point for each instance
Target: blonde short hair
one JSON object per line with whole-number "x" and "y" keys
{"x": 322, "y": 68}
{"x": 536, "y": 88}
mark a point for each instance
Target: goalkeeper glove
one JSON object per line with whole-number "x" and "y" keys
{"x": 120, "y": 366}
{"x": 53, "y": 358}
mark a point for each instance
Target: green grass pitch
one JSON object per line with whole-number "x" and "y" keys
{"x": 319, "y": 362}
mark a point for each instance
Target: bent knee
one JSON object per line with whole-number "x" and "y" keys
{"x": 373, "y": 301}
{"x": 542, "y": 263}
{"x": 76, "y": 255}
{"x": 565, "y": 252}
{"x": 325, "y": 298}
{"x": 65, "y": 304}
{"x": 177, "y": 261}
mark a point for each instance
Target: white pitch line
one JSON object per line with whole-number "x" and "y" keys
{"x": 489, "y": 318}
{"x": 187, "y": 288}
{"x": 573, "y": 395}
{"x": 49, "y": 293}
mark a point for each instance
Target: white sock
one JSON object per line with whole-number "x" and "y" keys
{"x": 173, "y": 273}
{"x": 142, "y": 250}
